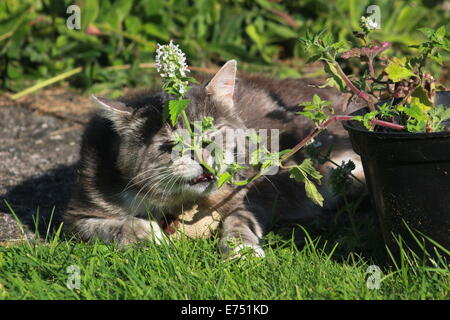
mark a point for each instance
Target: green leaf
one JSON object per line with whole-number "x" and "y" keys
{"x": 440, "y": 33}
{"x": 367, "y": 119}
{"x": 327, "y": 39}
{"x": 14, "y": 70}
{"x": 223, "y": 178}
{"x": 207, "y": 123}
{"x": 415, "y": 126}
{"x": 308, "y": 168}
{"x": 437, "y": 116}
{"x": 313, "y": 58}
{"x": 339, "y": 45}
{"x": 302, "y": 173}
{"x": 417, "y": 110}
{"x": 297, "y": 174}
{"x": 417, "y": 115}
{"x": 153, "y": 7}
{"x": 339, "y": 177}
{"x": 133, "y": 25}
{"x": 176, "y": 107}
{"x": 316, "y": 99}
{"x": 330, "y": 82}
{"x": 338, "y": 82}
{"x": 281, "y": 31}
{"x": 315, "y": 110}
{"x": 89, "y": 12}
{"x": 421, "y": 97}
{"x": 255, "y": 36}
{"x": 436, "y": 56}
{"x": 428, "y": 32}
{"x": 313, "y": 194}
{"x": 397, "y": 70}
{"x": 122, "y": 7}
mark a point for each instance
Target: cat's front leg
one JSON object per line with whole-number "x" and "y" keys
{"x": 122, "y": 231}
{"x": 136, "y": 230}
{"x": 241, "y": 232}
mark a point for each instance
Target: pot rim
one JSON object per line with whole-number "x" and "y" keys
{"x": 348, "y": 125}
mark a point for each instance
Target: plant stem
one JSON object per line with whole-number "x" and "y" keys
{"x": 371, "y": 68}
{"x": 313, "y": 134}
{"x": 327, "y": 123}
{"x": 187, "y": 123}
{"x": 362, "y": 94}
{"x": 247, "y": 181}
{"x": 386, "y": 124}
{"x": 195, "y": 147}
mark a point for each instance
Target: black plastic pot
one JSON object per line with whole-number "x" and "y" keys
{"x": 408, "y": 176}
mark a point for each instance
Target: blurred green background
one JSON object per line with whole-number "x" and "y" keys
{"x": 118, "y": 36}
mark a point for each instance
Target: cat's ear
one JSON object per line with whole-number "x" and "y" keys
{"x": 115, "y": 111}
{"x": 221, "y": 86}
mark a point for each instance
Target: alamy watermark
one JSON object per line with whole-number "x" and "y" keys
{"x": 373, "y": 281}
{"x": 374, "y": 18}
{"x": 74, "y": 277}
{"x": 73, "y": 22}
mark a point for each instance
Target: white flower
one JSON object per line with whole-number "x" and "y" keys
{"x": 171, "y": 65}
{"x": 171, "y": 61}
{"x": 368, "y": 23}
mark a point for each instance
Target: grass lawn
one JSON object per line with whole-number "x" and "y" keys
{"x": 193, "y": 269}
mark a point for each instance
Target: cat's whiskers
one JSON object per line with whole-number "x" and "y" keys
{"x": 157, "y": 179}
{"x": 128, "y": 186}
{"x": 161, "y": 181}
{"x": 166, "y": 194}
{"x": 144, "y": 181}
{"x": 157, "y": 184}
{"x": 169, "y": 193}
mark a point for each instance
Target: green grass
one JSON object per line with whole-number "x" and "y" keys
{"x": 194, "y": 270}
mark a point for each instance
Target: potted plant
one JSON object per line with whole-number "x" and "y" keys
{"x": 407, "y": 163}
{"x": 401, "y": 135}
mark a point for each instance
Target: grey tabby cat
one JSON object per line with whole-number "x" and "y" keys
{"x": 128, "y": 183}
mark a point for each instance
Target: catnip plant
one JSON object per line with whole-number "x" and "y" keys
{"x": 171, "y": 64}
{"x": 172, "y": 67}
{"x": 408, "y": 92}
{"x": 399, "y": 93}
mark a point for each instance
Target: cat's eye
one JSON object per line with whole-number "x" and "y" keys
{"x": 167, "y": 146}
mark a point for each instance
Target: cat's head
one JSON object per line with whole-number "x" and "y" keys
{"x": 145, "y": 158}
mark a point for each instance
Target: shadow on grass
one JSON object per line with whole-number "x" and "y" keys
{"x": 349, "y": 238}
{"x": 39, "y": 202}
{"x": 350, "y": 241}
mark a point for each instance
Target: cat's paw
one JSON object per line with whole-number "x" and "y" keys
{"x": 242, "y": 251}
{"x": 138, "y": 230}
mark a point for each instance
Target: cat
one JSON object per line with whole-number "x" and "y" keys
{"x": 129, "y": 187}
